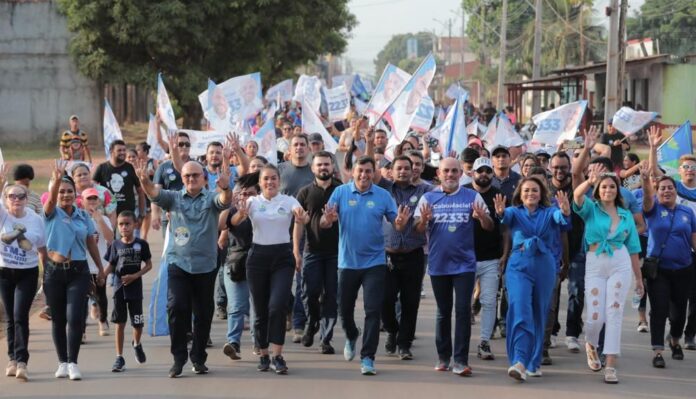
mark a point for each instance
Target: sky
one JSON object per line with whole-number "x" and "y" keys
{"x": 379, "y": 20}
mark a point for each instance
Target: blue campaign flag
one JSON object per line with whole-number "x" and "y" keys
{"x": 157, "y": 324}
{"x": 358, "y": 89}
{"x": 680, "y": 143}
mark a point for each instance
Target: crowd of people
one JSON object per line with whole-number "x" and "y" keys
{"x": 496, "y": 229}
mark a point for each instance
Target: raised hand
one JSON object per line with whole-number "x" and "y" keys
{"x": 231, "y": 145}
{"x": 563, "y": 203}
{"x": 426, "y": 212}
{"x": 59, "y": 169}
{"x": 330, "y": 213}
{"x": 499, "y": 202}
{"x": 173, "y": 146}
{"x": 242, "y": 208}
{"x": 403, "y": 213}
{"x": 591, "y": 136}
{"x": 3, "y": 175}
{"x": 644, "y": 170}
{"x": 223, "y": 180}
{"x": 141, "y": 170}
{"x": 479, "y": 211}
{"x": 301, "y": 216}
{"x": 593, "y": 173}
{"x": 370, "y": 134}
{"x": 654, "y": 136}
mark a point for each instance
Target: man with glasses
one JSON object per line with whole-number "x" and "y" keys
{"x": 191, "y": 254}
{"x": 168, "y": 177}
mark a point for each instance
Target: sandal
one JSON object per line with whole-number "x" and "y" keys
{"x": 610, "y": 375}
{"x": 593, "y": 361}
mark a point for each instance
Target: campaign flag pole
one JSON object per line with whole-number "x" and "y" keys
{"x": 678, "y": 144}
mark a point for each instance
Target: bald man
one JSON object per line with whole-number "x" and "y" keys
{"x": 191, "y": 255}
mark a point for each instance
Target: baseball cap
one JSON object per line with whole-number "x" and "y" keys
{"x": 315, "y": 138}
{"x": 499, "y": 148}
{"x": 482, "y": 162}
{"x": 475, "y": 140}
{"x": 543, "y": 153}
{"x": 73, "y": 117}
{"x": 90, "y": 192}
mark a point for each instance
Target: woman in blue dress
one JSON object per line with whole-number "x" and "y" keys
{"x": 531, "y": 269}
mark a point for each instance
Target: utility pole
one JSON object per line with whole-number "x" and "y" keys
{"x": 501, "y": 65}
{"x": 611, "y": 101}
{"x": 536, "y": 62}
{"x": 622, "y": 54}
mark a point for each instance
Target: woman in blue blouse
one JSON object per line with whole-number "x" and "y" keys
{"x": 70, "y": 234}
{"x": 531, "y": 269}
{"x": 613, "y": 246}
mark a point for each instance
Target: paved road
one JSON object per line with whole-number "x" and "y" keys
{"x": 319, "y": 376}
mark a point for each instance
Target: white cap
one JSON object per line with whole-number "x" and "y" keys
{"x": 482, "y": 161}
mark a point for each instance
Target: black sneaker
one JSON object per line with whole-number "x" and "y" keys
{"x": 390, "y": 345}
{"x": 176, "y": 370}
{"x": 677, "y": 352}
{"x": 119, "y": 364}
{"x": 264, "y": 363}
{"x": 546, "y": 358}
{"x": 405, "y": 354}
{"x": 308, "y": 337}
{"x": 327, "y": 349}
{"x": 658, "y": 361}
{"x": 484, "y": 351}
{"x": 278, "y": 365}
{"x": 199, "y": 368}
{"x": 139, "y": 353}
{"x": 221, "y": 312}
{"x": 231, "y": 350}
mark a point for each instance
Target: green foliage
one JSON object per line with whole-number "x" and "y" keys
{"x": 192, "y": 40}
{"x": 672, "y": 22}
{"x": 394, "y": 52}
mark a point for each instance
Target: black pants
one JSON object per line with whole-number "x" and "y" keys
{"x": 17, "y": 290}
{"x": 668, "y": 294}
{"x": 66, "y": 290}
{"x": 690, "y": 329}
{"x": 269, "y": 271}
{"x": 372, "y": 282}
{"x": 453, "y": 291}
{"x": 403, "y": 282}
{"x": 188, "y": 294}
{"x": 319, "y": 287}
{"x": 100, "y": 299}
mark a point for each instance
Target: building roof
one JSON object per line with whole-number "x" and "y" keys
{"x": 601, "y": 66}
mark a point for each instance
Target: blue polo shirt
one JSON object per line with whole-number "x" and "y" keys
{"x": 213, "y": 178}
{"x": 193, "y": 223}
{"x": 360, "y": 239}
{"x": 67, "y": 234}
{"x": 677, "y": 239}
{"x": 597, "y": 226}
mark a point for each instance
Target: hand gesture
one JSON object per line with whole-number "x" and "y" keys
{"x": 563, "y": 203}
{"x": 370, "y": 134}
{"x": 141, "y": 170}
{"x": 479, "y": 211}
{"x": 330, "y": 213}
{"x": 243, "y": 208}
{"x": 173, "y": 145}
{"x": 593, "y": 173}
{"x": 301, "y": 216}
{"x": 58, "y": 170}
{"x": 223, "y": 180}
{"x": 644, "y": 170}
{"x": 426, "y": 212}
{"x": 232, "y": 145}
{"x": 591, "y": 136}
{"x": 654, "y": 136}
{"x": 499, "y": 202}
{"x": 403, "y": 213}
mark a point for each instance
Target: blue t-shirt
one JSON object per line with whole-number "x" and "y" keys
{"x": 213, "y": 177}
{"x": 67, "y": 234}
{"x": 360, "y": 239}
{"x": 598, "y": 225}
{"x": 451, "y": 231}
{"x": 676, "y": 253}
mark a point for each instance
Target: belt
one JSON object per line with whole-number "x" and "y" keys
{"x": 65, "y": 265}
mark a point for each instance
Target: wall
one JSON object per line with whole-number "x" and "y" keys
{"x": 679, "y": 94}
{"x": 40, "y": 86}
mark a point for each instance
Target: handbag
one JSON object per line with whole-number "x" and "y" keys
{"x": 652, "y": 263}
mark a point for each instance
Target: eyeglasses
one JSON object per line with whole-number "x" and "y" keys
{"x": 484, "y": 170}
{"x": 16, "y": 197}
{"x": 687, "y": 166}
{"x": 191, "y": 176}
{"x": 184, "y": 144}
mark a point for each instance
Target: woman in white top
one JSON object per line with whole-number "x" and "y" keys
{"x": 270, "y": 264}
{"x": 22, "y": 242}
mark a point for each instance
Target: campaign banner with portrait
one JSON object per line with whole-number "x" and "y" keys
{"x": 201, "y": 138}
{"x": 164, "y": 106}
{"x": 111, "y": 129}
{"x": 266, "y": 140}
{"x": 308, "y": 92}
{"x": 628, "y": 121}
{"x": 282, "y": 91}
{"x": 559, "y": 124}
{"x": 337, "y": 102}
{"x": 424, "y": 115}
{"x": 219, "y": 112}
{"x": 242, "y": 94}
{"x": 388, "y": 88}
{"x": 156, "y": 151}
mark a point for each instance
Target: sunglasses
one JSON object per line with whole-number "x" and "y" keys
{"x": 191, "y": 176}
{"x": 689, "y": 167}
{"x": 184, "y": 144}
{"x": 16, "y": 197}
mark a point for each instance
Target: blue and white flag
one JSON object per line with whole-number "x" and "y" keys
{"x": 449, "y": 133}
{"x": 358, "y": 90}
{"x": 265, "y": 138}
{"x": 308, "y": 92}
{"x": 337, "y": 102}
{"x": 311, "y": 123}
{"x": 455, "y": 91}
{"x": 678, "y": 144}
{"x": 111, "y": 129}
{"x": 388, "y": 88}
{"x": 629, "y": 121}
{"x": 424, "y": 116}
{"x": 164, "y": 106}
{"x": 219, "y": 113}
{"x": 157, "y": 323}
{"x": 282, "y": 90}
{"x": 360, "y": 106}
{"x": 559, "y": 124}
{"x": 156, "y": 151}
{"x": 243, "y": 96}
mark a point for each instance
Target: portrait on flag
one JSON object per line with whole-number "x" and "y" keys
{"x": 388, "y": 88}
{"x": 219, "y": 113}
{"x": 242, "y": 93}
{"x": 282, "y": 90}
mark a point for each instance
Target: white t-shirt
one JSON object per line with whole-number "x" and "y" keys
{"x": 20, "y": 239}
{"x": 270, "y": 219}
{"x": 101, "y": 244}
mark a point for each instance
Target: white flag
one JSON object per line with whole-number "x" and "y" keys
{"x": 629, "y": 121}
{"x": 156, "y": 151}
{"x": 308, "y": 92}
{"x": 489, "y": 135}
{"x": 360, "y": 106}
{"x": 312, "y": 124}
{"x": 111, "y": 129}
{"x": 452, "y": 132}
{"x": 201, "y": 138}
{"x": 164, "y": 106}
{"x": 266, "y": 140}
{"x": 454, "y": 91}
{"x": 559, "y": 124}
{"x": 388, "y": 88}
{"x": 503, "y": 134}
{"x": 338, "y": 102}
{"x": 2, "y": 160}
{"x": 243, "y": 95}
{"x": 424, "y": 115}
{"x": 282, "y": 89}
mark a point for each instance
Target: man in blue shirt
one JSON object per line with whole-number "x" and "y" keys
{"x": 191, "y": 252}
{"x": 360, "y": 207}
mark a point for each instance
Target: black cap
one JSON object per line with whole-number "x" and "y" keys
{"x": 469, "y": 155}
{"x": 499, "y": 148}
{"x": 316, "y": 137}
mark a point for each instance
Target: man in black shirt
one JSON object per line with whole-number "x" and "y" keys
{"x": 612, "y": 145}
{"x": 489, "y": 249}
{"x": 319, "y": 265}
{"x": 119, "y": 177}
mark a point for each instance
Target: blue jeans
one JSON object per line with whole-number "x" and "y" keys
{"x": 576, "y": 296}
{"x": 17, "y": 290}
{"x": 220, "y": 290}
{"x": 487, "y": 274}
{"x": 454, "y": 290}
{"x": 320, "y": 284}
{"x": 238, "y": 306}
{"x": 372, "y": 282}
{"x": 299, "y": 318}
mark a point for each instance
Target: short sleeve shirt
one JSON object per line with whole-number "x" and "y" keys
{"x": 127, "y": 258}
{"x": 67, "y": 234}
{"x": 21, "y": 239}
{"x": 122, "y": 181}
{"x": 673, "y": 229}
{"x": 271, "y": 219}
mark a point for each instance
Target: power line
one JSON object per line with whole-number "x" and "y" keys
{"x": 550, "y": 6}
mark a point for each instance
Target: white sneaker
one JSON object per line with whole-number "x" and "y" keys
{"x": 553, "y": 342}
{"x": 572, "y": 344}
{"x": 74, "y": 372}
{"x": 62, "y": 371}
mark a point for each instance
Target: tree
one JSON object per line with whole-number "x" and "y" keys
{"x": 672, "y": 23}
{"x": 129, "y": 41}
{"x": 394, "y": 52}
